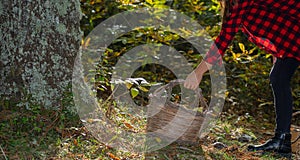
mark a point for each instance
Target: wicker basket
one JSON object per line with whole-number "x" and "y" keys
{"x": 188, "y": 119}
{"x": 295, "y": 130}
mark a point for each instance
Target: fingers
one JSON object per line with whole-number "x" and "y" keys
{"x": 192, "y": 86}
{"x": 192, "y": 81}
{"x": 188, "y": 85}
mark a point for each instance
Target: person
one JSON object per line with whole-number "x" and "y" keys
{"x": 274, "y": 26}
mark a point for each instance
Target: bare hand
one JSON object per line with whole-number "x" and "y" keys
{"x": 192, "y": 81}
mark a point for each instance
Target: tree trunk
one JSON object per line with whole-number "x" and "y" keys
{"x": 39, "y": 42}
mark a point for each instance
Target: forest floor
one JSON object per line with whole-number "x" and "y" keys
{"x": 61, "y": 136}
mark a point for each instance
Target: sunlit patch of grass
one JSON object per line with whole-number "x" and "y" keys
{"x": 23, "y": 137}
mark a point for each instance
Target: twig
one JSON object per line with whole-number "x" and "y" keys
{"x": 296, "y": 113}
{"x": 3, "y": 153}
{"x": 49, "y": 127}
{"x": 296, "y": 140}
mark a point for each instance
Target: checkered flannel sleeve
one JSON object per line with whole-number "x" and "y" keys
{"x": 229, "y": 28}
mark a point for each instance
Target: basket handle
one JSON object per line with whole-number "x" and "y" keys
{"x": 175, "y": 82}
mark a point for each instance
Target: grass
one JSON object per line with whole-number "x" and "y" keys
{"x": 46, "y": 134}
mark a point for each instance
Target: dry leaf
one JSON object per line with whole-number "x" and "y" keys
{"x": 128, "y": 125}
{"x": 113, "y": 156}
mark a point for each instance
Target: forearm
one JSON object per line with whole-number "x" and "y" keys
{"x": 202, "y": 68}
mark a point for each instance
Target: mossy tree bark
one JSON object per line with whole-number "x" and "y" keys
{"x": 39, "y": 42}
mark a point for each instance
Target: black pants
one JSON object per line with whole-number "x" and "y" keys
{"x": 280, "y": 78}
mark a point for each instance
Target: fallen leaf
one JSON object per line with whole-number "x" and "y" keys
{"x": 112, "y": 156}
{"x": 128, "y": 125}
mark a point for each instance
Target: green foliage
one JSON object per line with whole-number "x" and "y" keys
{"x": 247, "y": 66}
{"x": 143, "y": 36}
{"x": 95, "y": 11}
{"x": 39, "y": 133}
{"x": 206, "y": 12}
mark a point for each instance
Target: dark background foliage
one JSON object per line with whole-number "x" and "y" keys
{"x": 41, "y": 133}
{"x": 247, "y": 66}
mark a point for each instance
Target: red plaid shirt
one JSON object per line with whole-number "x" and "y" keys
{"x": 273, "y": 25}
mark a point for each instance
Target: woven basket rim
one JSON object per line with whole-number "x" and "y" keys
{"x": 170, "y": 109}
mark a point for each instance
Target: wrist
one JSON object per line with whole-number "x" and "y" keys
{"x": 202, "y": 68}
